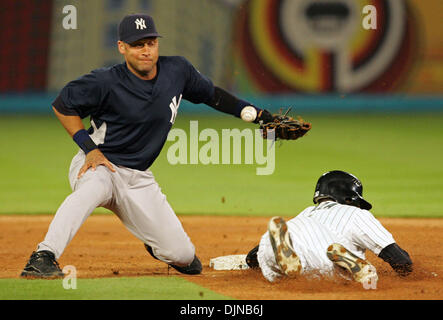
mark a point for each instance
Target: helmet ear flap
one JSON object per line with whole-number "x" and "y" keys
{"x": 352, "y": 201}
{"x": 348, "y": 200}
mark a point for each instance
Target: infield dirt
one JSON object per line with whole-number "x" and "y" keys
{"x": 105, "y": 248}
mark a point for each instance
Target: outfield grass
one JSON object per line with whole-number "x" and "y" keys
{"x": 140, "y": 288}
{"x": 397, "y": 156}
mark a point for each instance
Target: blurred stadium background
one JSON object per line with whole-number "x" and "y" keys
{"x": 301, "y": 51}
{"x": 313, "y": 55}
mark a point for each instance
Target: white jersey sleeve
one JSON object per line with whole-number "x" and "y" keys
{"x": 369, "y": 233}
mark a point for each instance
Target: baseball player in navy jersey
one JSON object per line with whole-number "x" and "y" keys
{"x": 132, "y": 107}
{"x": 330, "y": 237}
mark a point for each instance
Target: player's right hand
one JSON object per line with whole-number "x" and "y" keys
{"x": 94, "y": 159}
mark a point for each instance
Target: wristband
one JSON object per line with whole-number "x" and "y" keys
{"x": 84, "y": 141}
{"x": 263, "y": 115}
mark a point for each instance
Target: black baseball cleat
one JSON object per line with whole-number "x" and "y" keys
{"x": 42, "y": 264}
{"x": 251, "y": 258}
{"x": 194, "y": 268}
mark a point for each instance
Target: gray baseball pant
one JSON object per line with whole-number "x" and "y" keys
{"x": 135, "y": 197}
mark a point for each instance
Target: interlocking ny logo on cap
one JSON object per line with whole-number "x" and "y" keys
{"x": 140, "y": 23}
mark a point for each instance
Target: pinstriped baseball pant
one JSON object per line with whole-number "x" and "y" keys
{"x": 310, "y": 240}
{"x": 135, "y": 197}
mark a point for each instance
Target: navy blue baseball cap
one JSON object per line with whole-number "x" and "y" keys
{"x": 134, "y": 27}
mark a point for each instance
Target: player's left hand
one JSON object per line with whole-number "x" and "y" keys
{"x": 284, "y": 127}
{"x": 264, "y": 116}
{"x": 94, "y": 159}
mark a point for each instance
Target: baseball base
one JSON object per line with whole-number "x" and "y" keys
{"x": 230, "y": 262}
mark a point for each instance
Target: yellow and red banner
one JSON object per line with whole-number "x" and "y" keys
{"x": 320, "y": 46}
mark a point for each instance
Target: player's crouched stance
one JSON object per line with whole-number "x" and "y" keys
{"x": 330, "y": 238}
{"x": 132, "y": 107}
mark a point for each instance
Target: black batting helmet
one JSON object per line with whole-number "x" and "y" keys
{"x": 342, "y": 187}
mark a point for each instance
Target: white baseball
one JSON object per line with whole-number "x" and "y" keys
{"x": 248, "y": 114}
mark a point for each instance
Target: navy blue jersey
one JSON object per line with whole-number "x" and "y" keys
{"x": 131, "y": 117}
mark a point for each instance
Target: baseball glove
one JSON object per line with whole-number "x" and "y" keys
{"x": 285, "y": 127}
